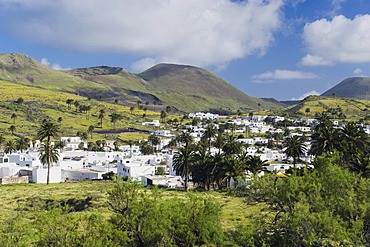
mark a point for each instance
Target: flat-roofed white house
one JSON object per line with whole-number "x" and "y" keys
{"x": 72, "y": 142}
{"x": 81, "y": 174}
{"x": 39, "y": 175}
{"x": 138, "y": 166}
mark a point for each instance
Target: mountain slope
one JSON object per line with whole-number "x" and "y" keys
{"x": 348, "y": 109}
{"x": 185, "y": 88}
{"x": 354, "y": 87}
{"x": 25, "y": 70}
{"x": 195, "y": 88}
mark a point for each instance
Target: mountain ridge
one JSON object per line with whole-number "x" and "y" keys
{"x": 183, "y": 87}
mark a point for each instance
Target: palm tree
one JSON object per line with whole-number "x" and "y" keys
{"x": 61, "y": 145}
{"x": 12, "y": 129}
{"x": 2, "y": 140}
{"x": 101, "y": 116}
{"x": 295, "y": 147}
{"x": 209, "y": 133}
{"x": 10, "y": 147}
{"x": 202, "y": 169}
{"x": 22, "y": 144}
{"x": 90, "y": 130}
{"x": 48, "y": 155}
{"x": 255, "y": 165}
{"x": 163, "y": 116}
{"x": 232, "y": 146}
{"x": 48, "y": 129}
{"x": 69, "y": 103}
{"x": 155, "y": 141}
{"x": 13, "y": 116}
{"x": 114, "y": 117}
{"x": 76, "y": 104}
{"x": 325, "y": 139}
{"x": 353, "y": 144}
{"x": 146, "y": 148}
{"x": 183, "y": 161}
{"x": 353, "y": 139}
{"x": 184, "y": 138}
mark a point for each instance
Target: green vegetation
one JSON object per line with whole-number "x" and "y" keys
{"x": 39, "y": 104}
{"x": 115, "y": 214}
{"x": 343, "y": 109}
{"x": 184, "y": 88}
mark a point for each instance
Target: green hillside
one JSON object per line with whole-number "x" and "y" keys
{"x": 354, "y": 87}
{"x": 25, "y": 70}
{"x": 346, "y": 109}
{"x": 185, "y": 88}
{"x": 38, "y": 103}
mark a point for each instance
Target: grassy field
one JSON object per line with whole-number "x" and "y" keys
{"x": 40, "y": 103}
{"x": 23, "y": 198}
{"x": 338, "y": 108}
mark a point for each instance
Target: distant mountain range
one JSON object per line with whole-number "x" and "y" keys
{"x": 184, "y": 88}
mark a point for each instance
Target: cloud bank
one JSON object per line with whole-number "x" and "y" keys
{"x": 279, "y": 74}
{"x": 340, "y": 40}
{"x": 207, "y": 32}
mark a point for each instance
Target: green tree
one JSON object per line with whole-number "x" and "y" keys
{"x": 295, "y": 147}
{"x": 69, "y": 102}
{"x": 12, "y": 129}
{"x": 90, "y": 130}
{"x": 22, "y": 144}
{"x": 101, "y": 117}
{"x": 163, "y": 116}
{"x": 14, "y": 117}
{"x": 155, "y": 141}
{"x": 47, "y": 130}
{"x": 76, "y": 104}
{"x": 48, "y": 155}
{"x": 114, "y": 117}
{"x": 325, "y": 138}
{"x": 183, "y": 161}
{"x": 2, "y": 141}
{"x": 146, "y": 148}
{"x": 10, "y": 147}
{"x": 168, "y": 109}
{"x": 209, "y": 133}
{"x": 254, "y": 164}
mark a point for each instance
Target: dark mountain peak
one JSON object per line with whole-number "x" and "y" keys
{"x": 164, "y": 69}
{"x": 353, "y": 87}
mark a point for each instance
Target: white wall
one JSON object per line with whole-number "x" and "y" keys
{"x": 39, "y": 176}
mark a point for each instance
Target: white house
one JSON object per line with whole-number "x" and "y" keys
{"x": 154, "y": 123}
{"x": 72, "y": 142}
{"x": 138, "y": 166}
{"x": 39, "y": 175}
{"x": 81, "y": 174}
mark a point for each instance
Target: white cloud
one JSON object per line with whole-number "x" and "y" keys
{"x": 306, "y": 95}
{"x": 340, "y": 40}
{"x": 359, "y": 73}
{"x": 45, "y": 61}
{"x": 56, "y": 66}
{"x": 143, "y": 64}
{"x": 311, "y": 60}
{"x": 283, "y": 75}
{"x": 207, "y": 32}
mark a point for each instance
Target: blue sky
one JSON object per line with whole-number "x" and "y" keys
{"x": 282, "y": 49}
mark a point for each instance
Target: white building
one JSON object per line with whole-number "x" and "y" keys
{"x": 154, "y": 123}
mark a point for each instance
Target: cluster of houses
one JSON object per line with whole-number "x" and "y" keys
{"x": 129, "y": 162}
